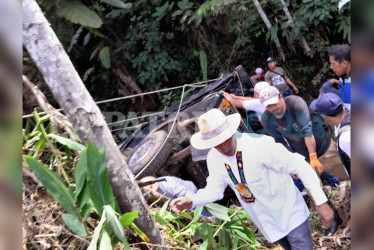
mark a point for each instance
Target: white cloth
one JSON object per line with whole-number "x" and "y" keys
{"x": 278, "y": 207}
{"x": 254, "y": 105}
{"x": 344, "y": 140}
{"x": 175, "y": 187}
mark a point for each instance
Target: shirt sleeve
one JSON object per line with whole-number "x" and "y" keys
{"x": 302, "y": 116}
{"x": 215, "y": 186}
{"x": 267, "y": 77}
{"x": 293, "y": 163}
{"x": 345, "y": 142}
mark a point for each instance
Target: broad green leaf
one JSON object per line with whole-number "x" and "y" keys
{"x": 242, "y": 235}
{"x": 98, "y": 180}
{"x": 128, "y": 218}
{"x": 161, "y": 220}
{"x": 250, "y": 234}
{"x": 105, "y": 242}
{"x": 86, "y": 210}
{"x": 115, "y": 3}
{"x": 197, "y": 213}
{"x": 164, "y": 207}
{"x": 113, "y": 222}
{"x": 206, "y": 231}
{"x": 218, "y": 210}
{"x": 184, "y": 4}
{"x": 245, "y": 214}
{"x": 74, "y": 224}
{"x": 77, "y": 12}
{"x": 224, "y": 238}
{"x": 235, "y": 241}
{"x": 186, "y": 215}
{"x": 140, "y": 233}
{"x": 104, "y": 56}
{"x": 74, "y": 39}
{"x": 80, "y": 174}
{"x": 96, "y": 235}
{"x": 177, "y": 13}
{"x": 86, "y": 39}
{"x": 54, "y": 185}
{"x": 76, "y": 146}
{"x": 203, "y": 246}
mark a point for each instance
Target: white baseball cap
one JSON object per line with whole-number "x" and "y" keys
{"x": 260, "y": 86}
{"x": 269, "y": 95}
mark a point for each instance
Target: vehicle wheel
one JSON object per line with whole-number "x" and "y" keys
{"x": 144, "y": 152}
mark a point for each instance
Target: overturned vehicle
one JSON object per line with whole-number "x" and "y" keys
{"x": 162, "y": 147}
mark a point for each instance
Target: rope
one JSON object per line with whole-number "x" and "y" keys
{"x": 167, "y": 137}
{"x": 195, "y": 85}
{"x": 241, "y": 87}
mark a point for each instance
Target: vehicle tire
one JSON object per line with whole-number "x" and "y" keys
{"x": 145, "y": 151}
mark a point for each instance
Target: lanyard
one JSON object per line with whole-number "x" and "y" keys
{"x": 242, "y": 187}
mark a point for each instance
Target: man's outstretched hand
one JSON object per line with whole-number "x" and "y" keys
{"x": 179, "y": 204}
{"x": 326, "y": 215}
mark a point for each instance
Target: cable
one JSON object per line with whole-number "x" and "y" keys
{"x": 167, "y": 137}
{"x": 194, "y": 85}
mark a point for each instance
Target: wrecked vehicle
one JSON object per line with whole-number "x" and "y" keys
{"x": 162, "y": 147}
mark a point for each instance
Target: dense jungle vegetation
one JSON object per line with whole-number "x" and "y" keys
{"x": 121, "y": 48}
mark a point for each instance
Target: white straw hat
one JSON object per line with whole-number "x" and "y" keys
{"x": 215, "y": 128}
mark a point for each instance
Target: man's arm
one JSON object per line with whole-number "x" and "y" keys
{"x": 295, "y": 164}
{"x": 310, "y": 143}
{"x": 213, "y": 191}
{"x": 236, "y": 101}
{"x": 292, "y": 85}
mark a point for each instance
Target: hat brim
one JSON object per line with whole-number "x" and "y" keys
{"x": 272, "y": 100}
{"x": 198, "y": 143}
{"x": 313, "y": 105}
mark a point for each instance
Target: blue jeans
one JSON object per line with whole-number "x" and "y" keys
{"x": 298, "y": 239}
{"x": 330, "y": 178}
{"x": 287, "y": 92}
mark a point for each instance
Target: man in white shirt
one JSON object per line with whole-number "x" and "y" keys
{"x": 249, "y": 103}
{"x": 334, "y": 112}
{"x": 258, "y": 170}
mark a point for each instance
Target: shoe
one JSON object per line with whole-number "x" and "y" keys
{"x": 336, "y": 223}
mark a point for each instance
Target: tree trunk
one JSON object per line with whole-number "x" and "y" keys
{"x": 268, "y": 25}
{"x": 302, "y": 40}
{"x": 73, "y": 97}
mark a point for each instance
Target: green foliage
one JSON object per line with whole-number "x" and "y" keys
{"x": 104, "y": 56}
{"x": 128, "y": 218}
{"x": 97, "y": 231}
{"x": 115, "y": 3}
{"x": 61, "y": 193}
{"x": 154, "y": 41}
{"x": 229, "y": 231}
{"x": 98, "y": 180}
{"x": 75, "y": 146}
{"x": 92, "y": 191}
{"x": 78, "y": 13}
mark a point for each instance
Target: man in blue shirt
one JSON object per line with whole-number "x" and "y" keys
{"x": 340, "y": 63}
